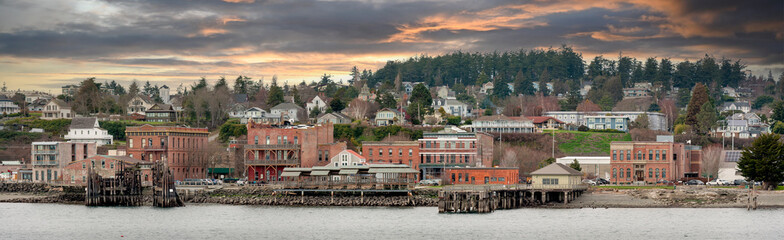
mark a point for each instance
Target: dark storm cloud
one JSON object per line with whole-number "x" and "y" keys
{"x": 749, "y": 30}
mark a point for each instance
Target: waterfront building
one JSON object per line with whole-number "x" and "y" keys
{"x": 598, "y": 166}
{"x": 347, "y": 158}
{"x": 328, "y": 178}
{"x": 48, "y": 158}
{"x": 182, "y": 148}
{"x": 105, "y": 166}
{"x": 728, "y": 165}
{"x": 483, "y": 175}
{"x": 649, "y": 162}
{"x": 392, "y": 152}
{"x": 502, "y": 124}
{"x": 556, "y": 175}
{"x": 453, "y": 149}
{"x": 388, "y": 117}
{"x": 86, "y": 129}
{"x": 271, "y": 148}
{"x": 56, "y": 109}
{"x": 656, "y": 121}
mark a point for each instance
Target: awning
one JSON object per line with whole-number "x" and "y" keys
{"x": 290, "y": 174}
{"x": 392, "y": 170}
{"x": 220, "y": 170}
{"x": 348, "y": 171}
{"x": 319, "y": 173}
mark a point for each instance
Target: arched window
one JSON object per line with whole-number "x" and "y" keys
{"x": 628, "y": 172}
{"x": 664, "y": 173}
{"x": 615, "y": 173}
{"x": 650, "y": 172}
{"x": 621, "y": 173}
{"x": 657, "y": 173}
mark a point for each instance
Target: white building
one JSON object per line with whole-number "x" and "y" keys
{"x": 87, "y": 130}
{"x": 502, "y": 124}
{"x": 139, "y": 104}
{"x": 57, "y": 109}
{"x": 740, "y": 106}
{"x": 487, "y": 88}
{"x": 743, "y": 125}
{"x": 728, "y": 165}
{"x": 452, "y": 107}
{"x": 164, "y": 94}
{"x": 7, "y": 106}
{"x": 347, "y": 158}
{"x": 316, "y": 103}
{"x": 729, "y": 91}
{"x": 656, "y": 121}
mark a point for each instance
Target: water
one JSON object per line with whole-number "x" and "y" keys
{"x": 50, "y": 221}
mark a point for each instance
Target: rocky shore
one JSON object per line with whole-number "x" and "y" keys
{"x": 682, "y": 197}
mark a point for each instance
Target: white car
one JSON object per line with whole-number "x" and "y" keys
{"x": 717, "y": 182}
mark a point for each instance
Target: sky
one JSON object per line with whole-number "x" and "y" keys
{"x": 45, "y": 44}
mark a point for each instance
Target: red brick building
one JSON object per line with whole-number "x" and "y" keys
{"x": 392, "y": 152}
{"x": 483, "y": 175}
{"x": 181, "y": 147}
{"x": 650, "y": 162}
{"x": 76, "y": 172}
{"x": 455, "y": 149}
{"x": 271, "y": 148}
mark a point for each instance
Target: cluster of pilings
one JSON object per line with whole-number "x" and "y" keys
{"x": 124, "y": 189}
{"x": 164, "y": 190}
{"x": 486, "y": 200}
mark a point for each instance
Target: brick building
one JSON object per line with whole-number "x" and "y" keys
{"x": 453, "y": 149}
{"x": 272, "y": 148}
{"x": 392, "y": 152}
{"x": 462, "y": 175}
{"x": 49, "y": 158}
{"x": 181, "y": 147}
{"x": 105, "y": 166}
{"x": 649, "y": 162}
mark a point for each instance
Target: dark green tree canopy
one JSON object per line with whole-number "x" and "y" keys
{"x": 764, "y": 160}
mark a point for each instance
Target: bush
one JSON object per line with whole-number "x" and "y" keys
{"x": 606, "y": 131}
{"x": 453, "y": 120}
{"x": 583, "y": 128}
{"x": 116, "y": 129}
{"x": 468, "y": 122}
{"x": 761, "y": 101}
{"x": 232, "y": 129}
{"x": 681, "y": 128}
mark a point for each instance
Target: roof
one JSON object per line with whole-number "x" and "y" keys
{"x": 60, "y": 103}
{"x": 737, "y": 123}
{"x": 354, "y": 153}
{"x": 334, "y": 114}
{"x": 739, "y": 104}
{"x": 287, "y": 105}
{"x": 541, "y": 119}
{"x": 501, "y": 117}
{"x": 557, "y": 169}
{"x": 161, "y": 107}
{"x": 391, "y": 110}
{"x": 447, "y": 102}
{"x": 84, "y": 123}
{"x": 731, "y": 155}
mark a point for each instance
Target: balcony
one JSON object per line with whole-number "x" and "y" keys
{"x": 45, "y": 163}
{"x": 272, "y": 147}
{"x": 44, "y": 151}
{"x": 154, "y": 148}
{"x": 291, "y": 161}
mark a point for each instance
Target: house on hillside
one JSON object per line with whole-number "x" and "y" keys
{"x": 408, "y": 87}
{"x": 445, "y": 92}
{"x": 87, "y": 130}
{"x": 334, "y": 118}
{"x": 37, "y": 105}
{"x": 318, "y": 102}
{"x": 452, "y": 107}
{"x": 503, "y": 124}
{"x": 388, "y": 117}
{"x": 290, "y": 111}
{"x": 546, "y": 123}
{"x": 7, "y": 106}
{"x": 636, "y": 92}
{"x": 139, "y": 104}
{"x": 487, "y": 88}
{"x": 57, "y": 109}
{"x": 556, "y": 175}
{"x": 739, "y": 106}
{"x": 600, "y": 122}
{"x": 161, "y": 113}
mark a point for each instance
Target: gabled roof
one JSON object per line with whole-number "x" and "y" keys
{"x": 60, "y": 103}
{"x": 391, "y": 110}
{"x": 557, "y": 169}
{"x": 502, "y": 117}
{"x": 335, "y": 115}
{"x": 738, "y": 104}
{"x": 161, "y": 107}
{"x": 286, "y": 105}
{"x": 541, "y": 119}
{"x": 84, "y": 123}
{"x": 354, "y": 153}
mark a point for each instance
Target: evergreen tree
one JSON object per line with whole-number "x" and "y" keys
{"x": 707, "y": 118}
{"x": 699, "y": 96}
{"x": 387, "y": 101}
{"x": 275, "y": 95}
{"x": 576, "y": 165}
{"x": 764, "y": 160}
{"x": 523, "y": 85}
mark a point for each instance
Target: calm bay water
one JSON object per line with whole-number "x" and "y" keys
{"x": 56, "y": 221}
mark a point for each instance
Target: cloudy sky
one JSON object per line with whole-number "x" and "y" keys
{"x": 45, "y": 44}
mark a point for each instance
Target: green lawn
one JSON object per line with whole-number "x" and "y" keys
{"x": 635, "y": 187}
{"x": 779, "y": 188}
{"x": 589, "y": 142}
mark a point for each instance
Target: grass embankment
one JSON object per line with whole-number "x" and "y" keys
{"x": 575, "y": 142}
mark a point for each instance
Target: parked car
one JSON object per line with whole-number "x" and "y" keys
{"x": 242, "y": 181}
{"x": 714, "y": 182}
{"x": 602, "y": 181}
{"x": 739, "y": 182}
{"x": 695, "y": 182}
{"x": 663, "y": 182}
{"x": 429, "y": 182}
{"x": 589, "y": 182}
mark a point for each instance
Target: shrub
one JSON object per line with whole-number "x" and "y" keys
{"x": 583, "y": 128}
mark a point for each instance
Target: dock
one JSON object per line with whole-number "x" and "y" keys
{"x": 488, "y": 198}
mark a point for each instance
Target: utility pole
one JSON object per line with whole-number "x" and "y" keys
{"x": 553, "y": 150}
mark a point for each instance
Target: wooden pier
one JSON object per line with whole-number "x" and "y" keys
{"x": 122, "y": 189}
{"x": 164, "y": 190}
{"x": 488, "y": 198}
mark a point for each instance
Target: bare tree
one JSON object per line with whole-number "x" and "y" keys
{"x": 357, "y": 109}
{"x": 588, "y": 106}
{"x": 711, "y": 156}
{"x": 670, "y": 110}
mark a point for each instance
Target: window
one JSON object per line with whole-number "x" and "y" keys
{"x": 650, "y": 172}
{"x": 628, "y": 172}
{"x": 466, "y": 177}
{"x": 615, "y": 173}
{"x": 657, "y": 155}
{"x": 130, "y": 143}
{"x": 320, "y": 155}
{"x": 285, "y": 139}
{"x": 629, "y": 155}
{"x": 621, "y": 155}
{"x": 501, "y": 179}
{"x": 614, "y": 155}
{"x": 621, "y": 173}
{"x": 410, "y": 152}
{"x": 650, "y": 155}
{"x": 296, "y": 140}
{"x": 103, "y": 163}
{"x": 84, "y": 179}
{"x": 149, "y": 142}
{"x": 84, "y": 165}
{"x": 111, "y": 165}
{"x": 427, "y": 143}
{"x": 400, "y": 152}
{"x": 550, "y": 181}
{"x": 657, "y": 173}
{"x": 370, "y": 152}
{"x": 453, "y": 177}
{"x": 640, "y": 156}
{"x": 459, "y": 176}
{"x": 256, "y": 140}
{"x": 664, "y": 155}
{"x": 278, "y": 139}
{"x": 664, "y": 173}
{"x": 268, "y": 139}
{"x": 390, "y": 152}
{"x": 380, "y": 152}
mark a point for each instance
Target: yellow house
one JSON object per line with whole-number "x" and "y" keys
{"x": 556, "y": 176}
